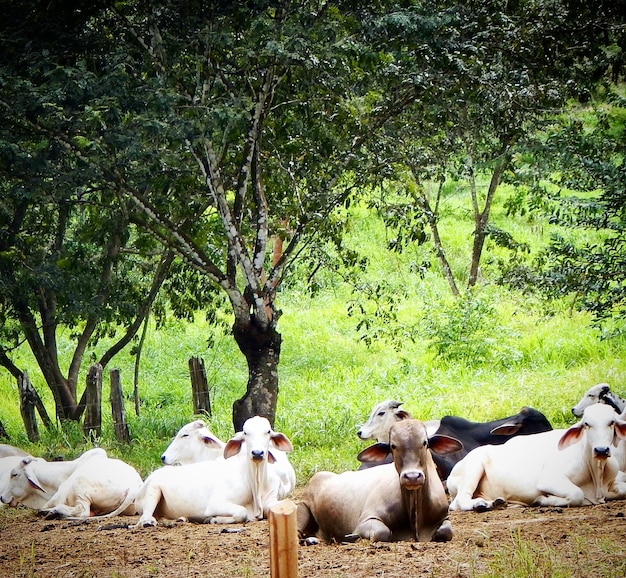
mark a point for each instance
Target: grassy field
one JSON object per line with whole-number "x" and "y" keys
{"x": 481, "y": 361}
{"x": 481, "y": 358}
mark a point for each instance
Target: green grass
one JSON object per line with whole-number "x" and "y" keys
{"x": 520, "y": 352}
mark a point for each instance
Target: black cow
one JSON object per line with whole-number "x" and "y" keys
{"x": 473, "y": 434}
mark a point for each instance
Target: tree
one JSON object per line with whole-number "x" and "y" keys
{"x": 581, "y": 189}
{"x": 222, "y": 133}
{"x": 69, "y": 256}
{"x": 504, "y": 71}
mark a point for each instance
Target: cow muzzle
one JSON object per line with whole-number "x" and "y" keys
{"x": 602, "y": 452}
{"x": 257, "y": 455}
{"x": 9, "y": 502}
{"x": 412, "y": 479}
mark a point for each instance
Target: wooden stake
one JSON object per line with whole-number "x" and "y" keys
{"x": 118, "y": 412}
{"x": 283, "y": 540}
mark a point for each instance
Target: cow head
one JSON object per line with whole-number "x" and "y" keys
{"x": 527, "y": 421}
{"x": 383, "y": 416}
{"x": 258, "y": 436}
{"x": 603, "y": 428}
{"x": 22, "y": 483}
{"x": 194, "y": 442}
{"x": 596, "y": 394}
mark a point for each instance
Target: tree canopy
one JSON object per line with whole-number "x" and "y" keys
{"x": 229, "y": 133}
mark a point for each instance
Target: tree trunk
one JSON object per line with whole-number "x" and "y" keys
{"x": 262, "y": 352}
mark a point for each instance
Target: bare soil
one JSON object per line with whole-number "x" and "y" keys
{"x": 581, "y": 542}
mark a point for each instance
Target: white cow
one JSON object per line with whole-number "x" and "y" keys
{"x": 93, "y": 483}
{"x": 195, "y": 443}
{"x": 383, "y": 416}
{"x": 236, "y": 489}
{"x": 555, "y": 468}
{"x": 599, "y": 393}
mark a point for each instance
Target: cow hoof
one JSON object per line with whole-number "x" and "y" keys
{"x": 481, "y": 507}
{"x": 52, "y": 515}
{"x": 350, "y": 538}
{"x": 311, "y": 541}
{"x": 499, "y": 504}
{"x": 147, "y": 523}
{"x": 444, "y": 532}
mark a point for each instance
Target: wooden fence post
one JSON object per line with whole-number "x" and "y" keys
{"x": 27, "y": 407}
{"x": 92, "y": 424}
{"x": 3, "y": 432}
{"x": 199, "y": 387}
{"x": 117, "y": 408}
{"x": 283, "y": 540}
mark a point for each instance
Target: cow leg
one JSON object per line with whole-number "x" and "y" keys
{"x": 443, "y": 533}
{"x": 306, "y": 522}
{"x": 58, "y": 506}
{"x": 226, "y": 513}
{"x": 82, "y": 509}
{"x": 559, "y": 491}
{"x": 615, "y": 482}
{"x": 374, "y": 530}
{"x": 463, "y": 483}
{"x": 152, "y": 495}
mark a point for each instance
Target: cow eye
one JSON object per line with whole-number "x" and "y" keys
{"x": 425, "y": 443}
{"x": 185, "y": 435}
{"x": 381, "y": 413}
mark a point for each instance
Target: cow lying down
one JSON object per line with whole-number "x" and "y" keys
{"x": 397, "y": 501}
{"x": 90, "y": 484}
{"x": 569, "y": 467}
{"x": 236, "y": 488}
{"x": 195, "y": 443}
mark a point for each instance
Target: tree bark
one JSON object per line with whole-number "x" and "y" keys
{"x": 261, "y": 349}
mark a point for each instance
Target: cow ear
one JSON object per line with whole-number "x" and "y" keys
{"x": 401, "y": 414}
{"x": 620, "y": 430}
{"x": 209, "y": 441}
{"x": 32, "y": 478}
{"x": 375, "y": 453}
{"x": 281, "y": 442}
{"x": 442, "y": 444}
{"x": 571, "y": 435}
{"x": 233, "y": 445}
{"x": 506, "y": 429}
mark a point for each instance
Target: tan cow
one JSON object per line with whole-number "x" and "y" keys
{"x": 391, "y": 502}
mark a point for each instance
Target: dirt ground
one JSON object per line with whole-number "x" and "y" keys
{"x": 581, "y": 542}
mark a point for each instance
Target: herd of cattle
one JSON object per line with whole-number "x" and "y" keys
{"x": 407, "y": 483}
